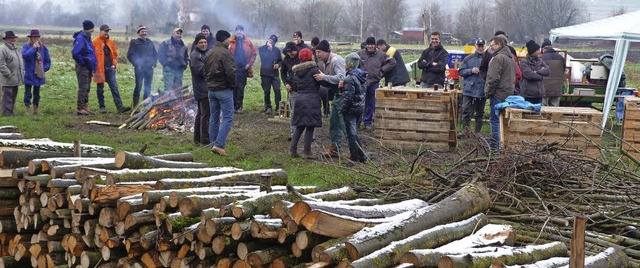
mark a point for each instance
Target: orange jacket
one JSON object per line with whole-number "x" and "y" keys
{"x": 248, "y": 47}
{"x": 98, "y": 44}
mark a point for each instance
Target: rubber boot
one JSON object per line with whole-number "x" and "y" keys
{"x": 354, "y": 155}
{"x": 360, "y": 153}
{"x": 478, "y": 126}
{"x": 135, "y": 101}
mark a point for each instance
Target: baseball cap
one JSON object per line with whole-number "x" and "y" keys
{"x": 480, "y": 42}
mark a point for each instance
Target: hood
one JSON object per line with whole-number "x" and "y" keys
{"x": 505, "y": 51}
{"x": 75, "y": 35}
{"x": 303, "y": 66}
{"x": 358, "y": 74}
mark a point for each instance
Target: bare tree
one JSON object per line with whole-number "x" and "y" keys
{"x": 507, "y": 20}
{"x": 433, "y": 17}
{"x": 97, "y": 10}
{"x": 308, "y": 10}
{"x": 262, "y": 14}
{"x": 618, "y": 11}
{"x": 328, "y": 13}
{"x": 390, "y": 15}
{"x": 475, "y": 20}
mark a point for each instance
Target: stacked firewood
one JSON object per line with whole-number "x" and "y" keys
{"x": 173, "y": 109}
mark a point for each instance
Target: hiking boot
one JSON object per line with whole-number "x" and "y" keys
{"x": 239, "y": 111}
{"x": 35, "y": 109}
{"x": 83, "y": 112}
{"x": 218, "y": 150}
{"x": 28, "y": 110}
{"x": 124, "y": 109}
{"x": 333, "y": 151}
{"x": 103, "y": 110}
{"x": 309, "y": 156}
{"x": 86, "y": 108}
{"x": 268, "y": 110}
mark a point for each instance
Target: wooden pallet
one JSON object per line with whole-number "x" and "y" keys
{"x": 577, "y": 129}
{"x": 411, "y": 118}
{"x": 631, "y": 127}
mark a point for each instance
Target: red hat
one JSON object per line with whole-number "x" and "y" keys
{"x": 305, "y": 54}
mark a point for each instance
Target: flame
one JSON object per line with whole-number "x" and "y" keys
{"x": 153, "y": 112}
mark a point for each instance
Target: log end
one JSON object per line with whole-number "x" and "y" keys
{"x": 120, "y": 158}
{"x": 354, "y": 254}
{"x": 445, "y": 262}
{"x": 299, "y": 210}
{"x": 410, "y": 258}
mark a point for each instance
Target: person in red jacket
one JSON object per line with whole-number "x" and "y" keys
{"x": 107, "y": 57}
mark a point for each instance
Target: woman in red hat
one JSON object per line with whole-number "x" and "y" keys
{"x": 306, "y": 114}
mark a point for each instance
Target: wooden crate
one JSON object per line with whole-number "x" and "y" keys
{"x": 412, "y": 118}
{"x": 571, "y": 127}
{"x": 631, "y": 127}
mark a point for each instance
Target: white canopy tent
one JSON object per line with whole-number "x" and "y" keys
{"x": 623, "y": 29}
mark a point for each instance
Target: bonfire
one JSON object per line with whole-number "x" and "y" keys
{"x": 174, "y": 110}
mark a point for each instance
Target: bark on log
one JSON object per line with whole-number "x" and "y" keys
{"x": 300, "y": 209}
{"x": 109, "y": 217}
{"x": 223, "y": 244}
{"x": 611, "y": 257}
{"x": 176, "y": 195}
{"x": 285, "y": 236}
{"x": 135, "y": 175}
{"x": 151, "y": 259}
{"x": 334, "y": 225}
{"x": 278, "y": 177}
{"x": 240, "y": 230}
{"x": 215, "y": 226}
{"x": 12, "y": 136}
{"x": 466, "y": 202}
{"x": 263, "y": 257}
{"x": 52, "y": 146}
{"x": 307, "y": 239}
{"x": 331, "y": 251}
{"x": 283, "y": 262}
{"x": 16, "y": 159}
{"x": 194, "y": 204}
{"x": 110, "y": 194}
{"x": 512, "y": 256}
{"x": 259, "y": 205}
{"x": 126, "y": 207}
{"x": 10, "y": 262}
{"x": 9, "y": 129}
{"x": 344, "y": 193}
{"x": 137, "y": 219}
{"x": 90, "y": 259}
{"x": 179, "y": 157}
{"x": 10, "y": 193}
{"x": 135, "y": 160}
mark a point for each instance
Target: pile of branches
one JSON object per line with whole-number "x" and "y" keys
{"x": 174, "y": 110}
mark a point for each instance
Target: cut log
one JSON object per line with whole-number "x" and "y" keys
{"x": 277, "y": 177}
{"x": 244, "y": 248}
{"x": 175, "y": 222}
{"x": 135, "y": 175}
{"x": 176, "y": 195}
{"x": 306, "y": 239}
{"x": 285, "y": 236}
{"x": 300, "y": 209}
{"x": 9, "y": 129}
{"x": 16, "y": 159}
{"x": 344, "y": 193}
{"x": 263, "y": 257}
{"x": 331, "y": 251}
{"x": 334, "y": 225}
{"x": 12, "y": 136}
{"x": 76, "y": 245}
{"x": 283, "y": 262}
{"x": 90, "y": 259}
{"x": 139, "y": 218}
{"x": 51, "y": 146}
{"x": 240, "y": 230}
{"x": 611, "y": 257}
{"x": 215, "y": 226}
{"x": 151, "y": 259}
{"x": 128, "y": 206}
{"x": 11, "y": 262}
{"x": 56, "y": 259}
{"x": 109, "y": 217}
{"x": 511, "y": 256}
{"x": 9, "y": 193}
{"x": 223, "y": 244}
{"x": 19, "y": 173}
{"x": 259, "y": 205}
{"x": 135, "y": 160}
{"x": 430, "y": 238}
{"x": 466, "y": 202}
{"x": 149, "y": 240}
{"x": 194, "y": 204}
{"x": 226, "y": 262}
{"x": 110, "y": 194}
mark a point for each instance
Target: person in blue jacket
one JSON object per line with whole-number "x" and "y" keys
{"x": 86, "y": 63}
{"x": 473, "y": 99}
{"x": 36, "y": 63}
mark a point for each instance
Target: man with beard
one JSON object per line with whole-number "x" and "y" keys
{"x": 433, "y": 62}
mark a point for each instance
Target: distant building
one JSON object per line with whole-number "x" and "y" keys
{"x": 412, "y": 35}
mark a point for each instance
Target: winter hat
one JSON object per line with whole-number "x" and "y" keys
{"x": 532, "y": 47}
{"x": 290, "y": 46}
{"x": 381, "y": 42}
{"x": 199, "y": 37}
{"x": 140, "y": 28}
{"x": 205, "y": 27}
{"x": 315, "y": 41}
{"x": 324, "y": 46}
{"x": 546, "y": 43}
{"x": 298, "y": 34}
{"x": 273, "y": 38}
{"x": 500, "y": 32}
{"x": 305, "y": 55}
{"x": 240, "y": 27}
{"x": 370, "y": 40}
{"x": 87, "y": 25}
{"x": 352, "y": 60}
{"x": 222, "y": 35}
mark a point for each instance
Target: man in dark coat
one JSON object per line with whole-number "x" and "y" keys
{"x": 174, "y": 57}
{"x": 552, "y": 83}
{"x": 297, "y": 39}
{"x": 534, "y": 70}
{"x": 270, "y": 61}
{"x": 484, "y": 66}
{"x": 499, "y": 83}
{"x": 377, "y": 64}
{"x": 433, "y": 62}
{"x": 220, "y": 73}
{"x": 290, "y": 52}
{"x": 86, "y": 63}
{"x": 200, "y": 90}
{"x": 143, "y": 55}
{"x": 473, "y": 99}
{"x": 398, "y": 76}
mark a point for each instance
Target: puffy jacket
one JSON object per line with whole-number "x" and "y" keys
{"x": 286, "y": 70}
{"x": 433, "y": 74}
{"x": 173, "y": 53}
{"x": 533, "y": 71}
{"x": 200, "y": 90}
{"x": 219, "y": 69}
{"x": 376, "y": 64}
{"x": 247, "y": 46}
{"x": 11, "y": 66}
{"x": 98, "y": 46}
{"x": 501, "y": 75}
{"x": 353, "y": 92}
{"x": 142, "y": 53}
{"x": 473, "y": 83}
{"x": 30, "y": 57}
{"x": 307, "y": 109}
{"x": 553, "y": 82}
{"x": 83, "y": 52}
{"x": 267, "y": 59}
{"x": 399, "y": 74}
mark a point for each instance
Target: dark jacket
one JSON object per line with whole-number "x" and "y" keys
{"x": 307, "y": 109}
{"x": 142, "y": 53}
{"x": 211, "y": 41}
{"x": 553, "y": 82}
{"x": 286, "y": 70}
{"x": 484, "y": 66}
{"x": 473, "y": 83}
{"x": 399, "y": 74}
{"x": 501, "y": 75}
{"x": 376, "y": 64}
{"x": 533, "y": 71}
{"x": 353, "y": 92}
{"x": 83, "y": 52}
{"x": 29, "y": 55}
{"x": 219, "y": 68}
{"x": 200, "y": 90}
{"x": 302, "y": 45}
{"x": 173, "y": 53}
{"x": 267, "y": 59}
{"x": 433, "y": 74}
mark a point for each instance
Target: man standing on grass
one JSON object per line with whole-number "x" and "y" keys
{"x": 174, "y": 58}
{"x": 290, "y": 52}
{"x": 36, "y": 63}
{"x": 270, "y": 61}
{"x": 220, "y": 73}
{"x": 142, "y": 54}
{"x": 244, "y": 54}
{"x": 332, "y": 72}
{"x": 200, "y": 90}
{"x": 377, "y": 64}
{"x": 107, "y": 57}
{"x": 12, "y": 72}
{"x": 84, "y": 55}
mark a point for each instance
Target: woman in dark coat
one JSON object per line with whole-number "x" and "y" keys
{"x": 306, "y": 114}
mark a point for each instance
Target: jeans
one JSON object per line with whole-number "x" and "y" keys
{"x": 351, "y": 127}
{"x": 201, "y": 125}
{"x": 355, "y": 146}
{"x": 172, "y": 77}
{"x": 370, "y": 103}
{"x": 143, "y": 75}
{"x": 110, "y": 76}
{"x": 473, "y": 106}
{"x": 336, "y": 123}
{"x": 620, "y": 104}
{"x": 267, "y": 83}
{"x": 84, "y": 75}
{"x": 241, "y": 83}
{"x": 9, "y": 95}
{"x": 220, "y": 102}
{"x": 28, "y": 96}
{"x": 494, "y": 121}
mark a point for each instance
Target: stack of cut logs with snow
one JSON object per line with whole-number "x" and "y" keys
{"x": 174, "y": 110}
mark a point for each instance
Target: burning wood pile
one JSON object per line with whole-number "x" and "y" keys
{"x": 174, "y": 110}
{"x": 130, "y": 210}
